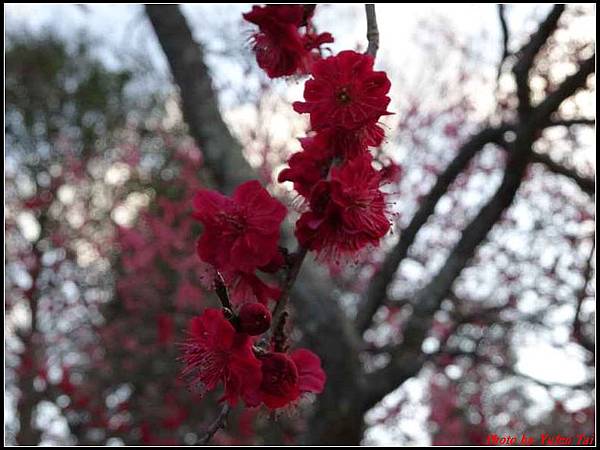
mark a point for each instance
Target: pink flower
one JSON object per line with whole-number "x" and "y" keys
{"x": 281, "y": 48}
{"x": 345, "y": 91}
{"x": 214, "y": 352}
{"x": 346, "y": 213}
{"x": 309, "y": 166}
{"x": 349, "y": 143}
{"x": 240, "y": 233}
{"x": 247, "y": 287}
{"x": 286, "y": 378}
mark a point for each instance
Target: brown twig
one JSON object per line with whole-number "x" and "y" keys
{"x": 372, "y": 30}
{"x": 216, "y": 425}
{"x": 296, "y": 260}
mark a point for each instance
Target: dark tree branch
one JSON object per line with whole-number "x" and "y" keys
{"x": 572, "y": 122}
{"x": 372, "y": 30}
{"x": 527, "y": 54}
{"x": 377, "y": 291}
{"x": 338, "y": 416}
{"x": 199, "y": 102}
{"x": 542, "y": 115}
{"x": 407, "y": 359}
{"x": 586, "y": 184}
{"x": 29, "y": 398}
{"x": 428, "y": 299}
{"x": 291, "y": 275}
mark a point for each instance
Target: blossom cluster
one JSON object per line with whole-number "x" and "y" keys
{"x": 239, "y": 239}
{"x": 286, "y": 43}
{"x": 334, "y": 173}
{"x": 344, "y": 211}
{"x": 218, "y": 351}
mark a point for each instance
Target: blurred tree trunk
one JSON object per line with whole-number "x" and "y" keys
{"x": 222, "y": 152}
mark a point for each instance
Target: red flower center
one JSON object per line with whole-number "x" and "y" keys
{"x": 343, "y": 96}
{"x": 235, "y": 223}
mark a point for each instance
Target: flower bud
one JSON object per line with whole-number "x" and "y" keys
{"x": 254, "y": 319}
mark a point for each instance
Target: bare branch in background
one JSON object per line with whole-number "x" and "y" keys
{"x": 372, "y": 30}
{"x": 407, "y": 359}
{"x": 510, "y": 370}
{"x": 29, "y": 397}
{"x": 505, "y": 37}
{"x": 587, "y": 185}
{"x": 377, "y": 291}
{"x": 542, "y": 115}
{"x": 577, "y": 332}
{"x": 571, "y": 122}
{"x": 527, "y": 53}
{"x": 428, "y": 299}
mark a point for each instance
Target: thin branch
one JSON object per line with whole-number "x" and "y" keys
{"x": 572, "y": 122}
{"x": 219, "y": 423}
{"x": 505, "y": 35}
{"x": 586, "y": 184}
{"x": 542, "y": 114}
{"x": 372, "y": 30}
{"x": 508, "y": 369}
{"x": 293, "y": 270}
{"x": 587, "y": 275}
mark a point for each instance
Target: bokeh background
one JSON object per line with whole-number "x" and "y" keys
{"x": 101, "y": 274}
